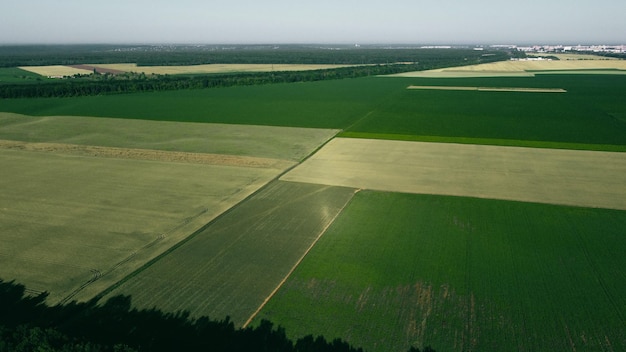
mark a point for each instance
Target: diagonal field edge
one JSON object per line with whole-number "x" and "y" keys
{"x": 295, "y": 266}
{"x": 198, "y": 231}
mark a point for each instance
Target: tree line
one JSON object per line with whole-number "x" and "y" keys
{"x": 27, "y": 323}
{"x": 161, "y": 55}
{"x": 97, "y": 84}
{"x": 110, "y": 84}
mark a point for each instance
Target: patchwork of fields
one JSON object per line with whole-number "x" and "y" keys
{"x": 582, "y": 64}
{"x": 590, "y": 115}
{"x": 362, "y": 239}
{"x": 73, "y": 225}
{"x": 81, "y": 209}
{"x": 231, "y": 266}
{"x": 60, "y": 71}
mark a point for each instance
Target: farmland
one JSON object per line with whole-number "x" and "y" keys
{"x": 525, "y": 174}
{"x": 60, "y": 70}
{"x": 88, "y": 213}
{"x": 15, "y": 75}
{"x": 214, "y": 68}
{"x": 385, "y": 237}
{"x": 590, "y": 114}
{"x": 285, "y": 143}
{"x": 68, "y": 220}
{"x": 462, "y": 274}
{"x": 230, "y": 267}
{"x": 585, "y": 114}
{"x": 583, "y": 64}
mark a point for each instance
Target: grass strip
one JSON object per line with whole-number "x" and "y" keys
{"x": 485, "y": 141}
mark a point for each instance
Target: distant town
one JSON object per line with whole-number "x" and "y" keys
{"x": 616, "y": 49}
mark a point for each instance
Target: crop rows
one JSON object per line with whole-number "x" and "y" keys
{"x": 399, "y": 270}
{"x": 590, "y": 113}
{"x": 393, "y": 270}
{"x": 235, "y": 263}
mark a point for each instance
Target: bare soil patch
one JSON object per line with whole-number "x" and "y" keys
{"x": 493, "y": 89}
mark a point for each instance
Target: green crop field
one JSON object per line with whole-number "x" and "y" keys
{"x": 326, "y": 104}
{"x": 102, "y": 205}
{"x": 590, "y": 112}
{"x": 462, "y": 274}
{"x": 235, "y": 263}
{"x": 285, "y": 143}
{"x": 15, "y": 75}
{"x": 590, "y": 115}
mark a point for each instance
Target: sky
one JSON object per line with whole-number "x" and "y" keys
{"x": 319, "y": 21}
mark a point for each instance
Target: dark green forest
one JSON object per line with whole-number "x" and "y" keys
{"x": 163, "y": 55}
{"x": 371, "y": 61}
{"x": 27, "y": 323}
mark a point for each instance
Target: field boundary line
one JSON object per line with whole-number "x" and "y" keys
{"x": 202, "y": 228}
{"x": 282, "y": 282}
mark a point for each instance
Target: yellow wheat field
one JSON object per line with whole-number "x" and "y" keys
{"x": 567, "y": 63}
{"x": 215, "y": 68}
{"x": 55, "y": 71}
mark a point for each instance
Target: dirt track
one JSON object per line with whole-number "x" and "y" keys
{"x": 492, "y": 89}
{"x": 147, "y": 154}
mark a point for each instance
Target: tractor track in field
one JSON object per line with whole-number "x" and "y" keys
{"x": 295, "y": 266}
{"x": 145, "y": 154}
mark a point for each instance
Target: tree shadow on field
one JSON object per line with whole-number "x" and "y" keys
{"x": 27, "y": 324}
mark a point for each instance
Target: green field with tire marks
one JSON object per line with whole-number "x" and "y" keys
{"x": 462, "y": 274}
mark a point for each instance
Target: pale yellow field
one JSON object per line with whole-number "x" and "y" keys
{"x": 73, "y": 225}
{"x": 86, "y": 201}
{"x": 579, "y": 57}
{"x": 522, "y": 68}
{"x": 568, "y": 177}
{"x": 215, "y": 68}
{"x": 285, "y": 143}
{"x": 491, "y": 89}
{"x": 55, "y": 71}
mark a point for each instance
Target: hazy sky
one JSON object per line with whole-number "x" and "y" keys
{"x": 318, "y": 21}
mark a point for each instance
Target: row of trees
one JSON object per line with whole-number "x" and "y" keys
{"x": 95, "y": 84}
{"x": 28, "y": 324}
{"x": 92, "y": 85}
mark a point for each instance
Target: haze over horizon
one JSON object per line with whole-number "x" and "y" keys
{"x": 322, "y": 21}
